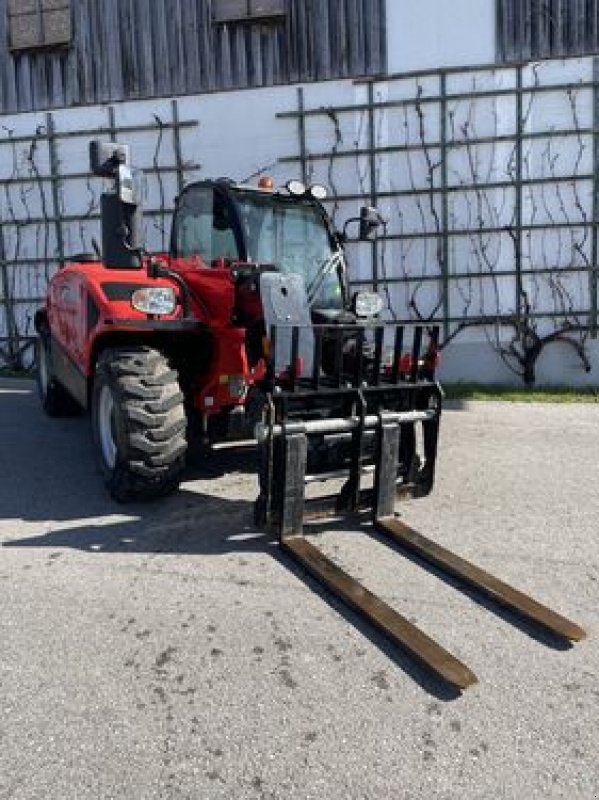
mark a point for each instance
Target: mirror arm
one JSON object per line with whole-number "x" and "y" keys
{"x": 343, "y": 233}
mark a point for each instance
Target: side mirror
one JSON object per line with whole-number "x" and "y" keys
{"x": 105, "y": 158}
{"x": 120, "y": 210}
{"x": 370, "y": 221}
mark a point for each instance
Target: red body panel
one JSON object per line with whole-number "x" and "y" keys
{"x": 213, "y": 300}
{"x": 65, "y": 303}
{"x": 213, "y": 290}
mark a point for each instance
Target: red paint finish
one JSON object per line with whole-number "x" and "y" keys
{"x": 212, "y": 288}
{"x": 214, "y": 303}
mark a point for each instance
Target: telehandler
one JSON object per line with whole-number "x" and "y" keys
{"x": 247, "y": 328}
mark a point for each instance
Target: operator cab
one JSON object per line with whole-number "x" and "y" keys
{"x": 219, "y": 221}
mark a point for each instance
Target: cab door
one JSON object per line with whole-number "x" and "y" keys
{"x": 67, "y": 312}
{"x": 205, "y": 226}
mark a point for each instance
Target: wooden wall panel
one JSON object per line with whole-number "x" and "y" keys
{"x": 129, "y": 49}
{"x": 535, "y": 29}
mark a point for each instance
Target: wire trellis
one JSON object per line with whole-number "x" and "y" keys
{"x": 49, "y": 213}
{"x": 489, "y": 179}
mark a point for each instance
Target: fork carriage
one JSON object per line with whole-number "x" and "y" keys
{"x": 361, "y": 414}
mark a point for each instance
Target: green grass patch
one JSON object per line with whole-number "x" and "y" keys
{"x": 17, "y": 373}
{"x": 538, "y": 394}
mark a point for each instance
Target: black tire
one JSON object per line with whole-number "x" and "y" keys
{"x": 138, "y": 423}
{"x": 55, "y": 399}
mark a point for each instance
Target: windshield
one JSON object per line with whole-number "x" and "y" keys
{"x": 293, "y": 236}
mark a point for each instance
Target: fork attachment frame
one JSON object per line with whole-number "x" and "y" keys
{"x": 369, "y": 425}
{"x": 352, "y": 415}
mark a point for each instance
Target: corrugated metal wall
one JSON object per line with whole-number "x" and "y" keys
{"x": 125, "y": 49}
{"x": 535, "y": 29}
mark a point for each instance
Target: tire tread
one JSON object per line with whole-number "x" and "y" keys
{"x": 153, "y": 416}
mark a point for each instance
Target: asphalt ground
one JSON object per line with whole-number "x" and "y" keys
{"x": 169, "y": 650}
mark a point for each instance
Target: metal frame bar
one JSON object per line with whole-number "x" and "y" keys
{"x": 490, "y": 229}
{"x": 518, "y": 227}
{"x": 436, "y": 98}
{"x": 450, "y": 145}
{"x": 593, "y": 320}
{"x": 54, "y": 169}
{"x": 10, "y": 354}
{"x": 475, "y": 319}
{"x": 97, "y": 131}
{"x": 372, "y": 153}
{"x": 444, "y": 265}
{"x": 473, "y": 187}
{"x": 83, "y": 176}
{"x": 507, "y": 273}
{"x": 486, "y": 67}
{"x": 301, "y": 126}
{"x": 389, "y": 237}
{"x": 51, "y": 218}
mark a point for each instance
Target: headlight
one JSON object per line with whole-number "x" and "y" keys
{"x": 296, "y": 188}
{"x": 160, "y": 300}
{"x": 318, "y": 192}
{"x": 368, "y": 304}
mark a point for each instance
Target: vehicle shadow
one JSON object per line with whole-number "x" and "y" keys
{"x": 49, "y": 469}
{"x": 215, "y": 462}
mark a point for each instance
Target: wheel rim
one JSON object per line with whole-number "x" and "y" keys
{"x": 43, "y": 368}
{"x": 106, "y": 427}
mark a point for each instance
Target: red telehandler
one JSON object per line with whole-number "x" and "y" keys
{"x": 246, "y": 328}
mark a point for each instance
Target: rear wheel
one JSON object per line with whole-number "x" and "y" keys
{"x": 138, "y": 422}
{"x": 55, "y": 399}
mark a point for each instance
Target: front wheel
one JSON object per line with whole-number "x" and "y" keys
{"x": 138, "y": 421}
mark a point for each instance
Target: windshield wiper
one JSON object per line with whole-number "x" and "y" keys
{"x": 332, "y": 262}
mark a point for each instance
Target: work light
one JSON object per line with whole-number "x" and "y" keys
{"x": 159, "y": 300}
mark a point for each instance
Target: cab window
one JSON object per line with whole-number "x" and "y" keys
{"x": 203, "y": 227}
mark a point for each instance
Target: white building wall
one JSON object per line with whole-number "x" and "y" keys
{"x": 239, "y": 134}
{"x": 236, "y": 135}
{"x": 427, "y": 34}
